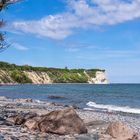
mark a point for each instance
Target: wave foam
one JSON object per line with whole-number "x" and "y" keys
{"x": 125, "y": 109}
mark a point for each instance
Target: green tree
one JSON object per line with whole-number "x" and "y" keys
{"x": 4, "y": 4}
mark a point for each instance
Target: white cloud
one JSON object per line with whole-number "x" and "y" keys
{"x": 19, "y": 47}
{"x": 12, "y": 1}
{"x": 82, "y": 14}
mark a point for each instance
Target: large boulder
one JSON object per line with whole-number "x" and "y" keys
{"x": 62, "y": 122}
{"x": 121, "y": 131}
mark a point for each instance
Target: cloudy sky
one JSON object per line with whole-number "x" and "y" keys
{"x": 76, "y": 33}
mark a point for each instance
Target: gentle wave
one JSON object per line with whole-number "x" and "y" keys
{"x": 125, "y": 109}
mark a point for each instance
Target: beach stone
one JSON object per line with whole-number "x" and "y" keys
{"x": 16, "y": 120}
{"x": 87, "y": 137}
{"x": 32, "y": 124}
{"x": 62, "y": 122}
{"x": 121, "y": 131}
{"x": 24, "y": 100}
{"x": 3, "y": 98}
{"x": 30, "y": 115}
{"x": 1, "y": 137}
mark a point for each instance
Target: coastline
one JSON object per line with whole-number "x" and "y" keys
{"x": 12, "y": 84}
{"x": 95, "y": 121}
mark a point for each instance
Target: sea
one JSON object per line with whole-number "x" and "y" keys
{"x": 112, "y": 97}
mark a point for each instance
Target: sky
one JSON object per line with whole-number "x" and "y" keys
{"x": 87, "y": 34}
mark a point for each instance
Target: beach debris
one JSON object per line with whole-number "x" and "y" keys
{"x": 120, "y": 131}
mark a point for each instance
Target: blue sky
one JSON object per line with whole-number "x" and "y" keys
{"x": 77, "y": 34}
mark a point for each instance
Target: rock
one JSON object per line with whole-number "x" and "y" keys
{"x": 56, "y": 104}
{"x": 72, "y": 106}
{"x": 87, "y": 137}
{"x": 30, "y": 115}
{"x": 75, "y": 107}
{"x": 62, "y": 122}
{"x": 56, "y": 97}
{"x": 32, "y": 124}
{"x": 1, "y": 137}
{"x": 121, "y": 131}
{"x": 16, "y": 120}
{"x": 24, "y": 100}
{"x": 105, "y": 137}
{"x": 3, "y": 98}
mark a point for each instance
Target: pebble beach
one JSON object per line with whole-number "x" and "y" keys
{"x": 96, "y": 121}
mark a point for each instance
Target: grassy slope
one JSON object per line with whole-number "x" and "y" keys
{"x": 57, "y": 75}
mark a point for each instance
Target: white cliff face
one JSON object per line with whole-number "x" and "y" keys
{"x": 100, "y": 78}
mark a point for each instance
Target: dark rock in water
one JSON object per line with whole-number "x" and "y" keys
{"x": 121, "y": 131}
{"x": 56, "y": 97}
{"x": 62, "y": 122}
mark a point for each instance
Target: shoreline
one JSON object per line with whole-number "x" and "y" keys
{"x": 12, "y": 84}
{"x": 98, "y": 121}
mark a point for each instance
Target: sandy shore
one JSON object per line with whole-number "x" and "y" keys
{"x": 96, "y": 122}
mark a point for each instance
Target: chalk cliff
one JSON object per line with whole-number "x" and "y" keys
{"x": 13, "y": 74}
{"x": 100, "y": 78}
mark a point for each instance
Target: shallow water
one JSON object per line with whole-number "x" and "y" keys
{"x": 124, "y": 97}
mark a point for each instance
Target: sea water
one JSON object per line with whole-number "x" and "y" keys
{"x": 111, "y": 97}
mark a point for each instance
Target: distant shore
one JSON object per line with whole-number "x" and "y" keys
{"x": 12, "y": 84}
{"x": 97, "y": 122}
{"x": 12, "y": 73}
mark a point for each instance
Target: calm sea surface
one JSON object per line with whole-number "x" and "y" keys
{"x": 120, "y": 97}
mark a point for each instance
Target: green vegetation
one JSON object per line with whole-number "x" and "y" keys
{"x": 92, "y": 72}
{"x": 67, "y": 76}
{"x": 57, "y": 75}
{"x": 20, "y": 77}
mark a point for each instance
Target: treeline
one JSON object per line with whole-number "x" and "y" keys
{"x": 6, "y": 65}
